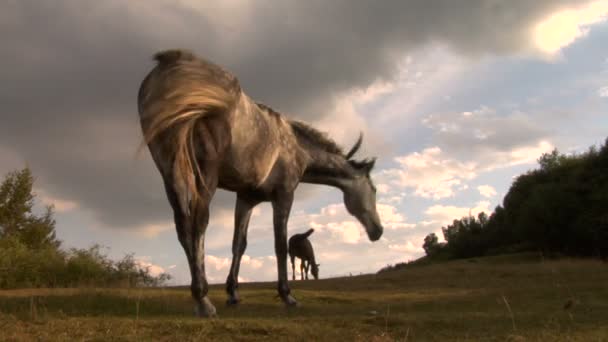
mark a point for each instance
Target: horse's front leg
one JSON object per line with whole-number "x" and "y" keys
{"x": 293, "y": 267}
{"x": 281, "y": 207}
{"x": 242, "y": 214}
{"x": 302, "y": 269}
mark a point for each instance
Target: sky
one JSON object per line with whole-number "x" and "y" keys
{"x": 454, "y": 99}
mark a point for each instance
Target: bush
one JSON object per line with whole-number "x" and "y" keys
{"x": 30, "y": 254}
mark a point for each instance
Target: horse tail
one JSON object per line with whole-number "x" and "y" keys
{"x": 308, "y": 233}
{"x": 179, "y": 92}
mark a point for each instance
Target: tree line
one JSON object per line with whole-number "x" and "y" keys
{"x": 31, "y": 255}
{"x": 559, "y": 208}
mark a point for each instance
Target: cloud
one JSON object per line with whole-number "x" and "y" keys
{"x": 468, "y": 143}
{"x": 391, "y": 218}
{"x": 486, "y": 190}
{"x": 216, "y": 263}
{"x": 483, "y": 130}
{"x": 563, "y": 27}
{"x": 72, "y": 85}
{"x": 603, "y": 91}
{"x": 60, "y": 205}
{"x": 153, "y": 269}
{"x": 253, "y": 263}
{"x": 407, "y": 247}
{"x": 444, "y": 214}
{"x": 430, "y": 173}
{"x": 345, "y": 228}
{"x": 154, "y": 229}
{"x": 258, "y": 268}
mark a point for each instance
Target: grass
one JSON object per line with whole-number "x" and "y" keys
{"x": 518, "y": 298}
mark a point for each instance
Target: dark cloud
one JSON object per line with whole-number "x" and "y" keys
{"x": 71, "y": 69}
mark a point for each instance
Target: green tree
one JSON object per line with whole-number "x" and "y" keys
{"x": 17, "y": 218}
{"x": 431, "y": 244}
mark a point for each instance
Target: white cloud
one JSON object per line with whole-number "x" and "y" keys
{"x": 383, "y": 188}
{"x": 153, "y": 230}
{"x": 252, "y": 268}
{"x": 251, "y": 262}
{"x": 344, "y": 122}
{"x": 430, "y": 173}
{"x": 390, "y": 218}
{"x": 444, "y": 214}
{"x": 486, "y": 190}
{"x": 153, "y": 269}
{"x": 346, "y": 231}
{"x": 429, "y": 71}
{"x": 345, "y": 228}
{"x": 216, "y": 263}
{"x": 61, "y": 205}
{"x": 407, "y": 247}
{"x": 603, "y": 91}
{"x": 391, "y": 199}
{"x": 467, "y": 144}
{"x": 562, "y": 28}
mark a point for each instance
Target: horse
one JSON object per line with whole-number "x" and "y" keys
{"x": 204, "y": 132}
{"x": 300, "y": 246}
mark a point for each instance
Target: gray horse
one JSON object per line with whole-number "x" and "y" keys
{"x": 205, "y": 133}
{"x": 300, "y": 247}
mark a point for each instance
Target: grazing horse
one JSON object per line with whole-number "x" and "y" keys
{"x": 300, "y": 246}
{"x": 204, "y": 132}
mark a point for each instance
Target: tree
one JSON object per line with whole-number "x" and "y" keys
{"x": 431, "y": 244}
{"x": 16, "y": 213}
{"x": 548, "y": 161}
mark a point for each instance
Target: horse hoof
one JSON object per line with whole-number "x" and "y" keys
{"x": 291, "y": 302}
{"x": 233, "y": 301}
{"x": 206, "y": 309}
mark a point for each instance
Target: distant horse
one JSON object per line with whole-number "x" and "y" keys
{"x": 300, "y": 247}
{"x": 204, "y": 132}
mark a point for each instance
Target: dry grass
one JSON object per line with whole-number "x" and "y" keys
{"x": 492, "y": 299}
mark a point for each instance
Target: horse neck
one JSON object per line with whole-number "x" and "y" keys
{"x": 326, "y": 168}
{"x": 311, "y": 257}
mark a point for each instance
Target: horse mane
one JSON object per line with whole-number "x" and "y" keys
{"x": 172, "y": 55}
{"x": 314, "y": 136}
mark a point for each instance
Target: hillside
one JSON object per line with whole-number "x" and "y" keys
{"x": 499, "y": 298}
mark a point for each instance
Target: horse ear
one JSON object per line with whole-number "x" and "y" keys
{"x": 355, "y": 147}
{"x": 369, "y": 165}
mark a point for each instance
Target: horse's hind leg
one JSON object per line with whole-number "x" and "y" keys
{"x": 190, "y": 229}
{"x": 200, "y": 287}
{"x": 210, "y": 145}
{"x": 242, "y": 215}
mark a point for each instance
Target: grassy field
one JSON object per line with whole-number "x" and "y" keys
{"x": 513, "y": 298}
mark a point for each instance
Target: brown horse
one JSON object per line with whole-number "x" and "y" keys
{"x": 204, "y": 133}
{"x": 300, "y": 247}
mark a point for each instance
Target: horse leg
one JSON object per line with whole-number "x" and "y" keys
{"x": 306, "y": 267}
{"x": 302, "y": 269}
{"x": 200, "y": 287}
{"x": 192, "y": 239}
{"x": 281, "y": 206}
{"x": 242, "y": 214}
{"x": 293, "y": 267}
